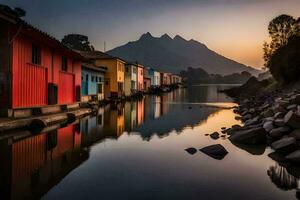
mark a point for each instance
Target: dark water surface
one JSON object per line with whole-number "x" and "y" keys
{"x": 136, "y": 151}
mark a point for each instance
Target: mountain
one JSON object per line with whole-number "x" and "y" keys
{"x": 176, "y": 54}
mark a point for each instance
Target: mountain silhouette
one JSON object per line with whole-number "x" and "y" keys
{"x": 176, "y": 54}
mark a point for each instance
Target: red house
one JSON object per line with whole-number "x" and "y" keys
{"x": 35, "y": 69}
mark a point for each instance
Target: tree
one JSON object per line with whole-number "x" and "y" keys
{"x": 280, "y": 30}
{"x": 77, "y": 42}
{"x": 285, "y": 62}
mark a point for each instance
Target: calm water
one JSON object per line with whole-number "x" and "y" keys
{"x": 136, "y": 151}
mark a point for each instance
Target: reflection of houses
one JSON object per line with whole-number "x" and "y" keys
{"x": 157, "y": 107}
{"x": 140, "y": 111}
{"x": 130, "y": 79}
{"x": 114, "y": 121}
{"x": 32, "y": 166}
{"x": 92, "y": 129}
{"x": 92, "y": 80}
{"x": 36, "y": 69}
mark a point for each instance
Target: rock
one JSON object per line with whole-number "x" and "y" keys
{"x": 279, "y": 122}
{"x": 246, "y": 117}
{"x": 295, "y": 99}
{"x": 268, "y": 113}
{"x": 292, "y": 107}
{"x": 244, "y": 113}
{"x": 191, "y": 150}
{"x": 268, "y": 126}
{"x": 252, "y": 110}
{"x": 250, "y": 136}
{"x": 268, "y": 119}
{"x": 279, "y": 132}
{"x": 216, "y": 151}
{"x": 223, "y": 128}
{"x": 278, "y": 157}
{"x": 206, "y": 134}
{"x": 291, "y": 119}
{"x": 279, "y": 115}
{"x": 215, "y": 135}
{"x": 236, "y": 126}
{"x": 295, "y": 156}
{"x": 295, "y": 134}
{"x": 287, "y": 144}
{"x": 283, "y": 103}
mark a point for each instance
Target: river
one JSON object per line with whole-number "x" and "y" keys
{"x": 136, "y": 150}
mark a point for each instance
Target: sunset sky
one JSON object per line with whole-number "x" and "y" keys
{"x": 233, "y": 28}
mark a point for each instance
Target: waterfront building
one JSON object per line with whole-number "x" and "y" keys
{"x": 140, "y": 78}
{"x": 130, "y": 79}
{"x": 166, "y": 78}
{"x": 147, "y": 79}
{"x": 36, "y": 69}
{"x": 155, "y": 78}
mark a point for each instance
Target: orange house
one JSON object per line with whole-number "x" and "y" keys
{"x": 114, "y": 75}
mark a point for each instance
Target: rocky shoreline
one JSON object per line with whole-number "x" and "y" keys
{"x": 271, "y": 119}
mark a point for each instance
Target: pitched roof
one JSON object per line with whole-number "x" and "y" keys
{"x": 97, "y": 55}
{"x": 10, "y": 15}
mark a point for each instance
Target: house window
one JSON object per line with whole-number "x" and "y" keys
{"x": 36, "y": 55}
{"x": 96, "y": 78}
{"x": 106, "y": 82}
{"x": 99, "y": 79}
{"x": 64, "y": 64}
{"x": 87, "y": 78}
{"x": 127, "y": 69}
{"x": 93, "y": 78}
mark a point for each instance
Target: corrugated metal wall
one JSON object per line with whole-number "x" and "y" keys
{"x": 66, "y": 88}
{"x": 29, "y": 81}
{"x": 28, "y": 154}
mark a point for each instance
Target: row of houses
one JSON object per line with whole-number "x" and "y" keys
{"x": 37, "y": 70}
{"x": 105, "y": 77}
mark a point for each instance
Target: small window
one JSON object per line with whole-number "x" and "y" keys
{"x": 100, "y": 88}
{"x": 36, "y": 55}
{"x": 127, "y": 69}
{"x": 64, "y": 64}
{"x": 93, "y": 78}
{"x": 96, "y": 79}
{"x": 99, "y": 79}
{"x": 106, "y": 82}
{"x": 87, "y": 78}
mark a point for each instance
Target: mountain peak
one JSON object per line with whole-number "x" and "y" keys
{"x": 179, "y": 38}
{"x": 166, "y": 36}
{"x": 146, "y": 36}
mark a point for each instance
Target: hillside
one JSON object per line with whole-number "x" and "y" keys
{"x": 176, "y": 54}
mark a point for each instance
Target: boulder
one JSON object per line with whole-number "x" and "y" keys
{"x": 292, "y": 107}
{"x": 191, "y": 150}
{"x": 268, "y": 113}
{"x": 236, "y": 126}
{"x": 246, "y": 117}
{"x": 291, "y": 119}
{"x": 294, "y": 156}
{"x": 216, "y": 151}
{"x": 279, "y": 115}
{"x": 215, "y": 135}
{"x": 249, "y": 136}
{"x": 295, "y": 134}
{"x": 287, "y": 144}
{"x": 279, "y": 122}
{"x": 279, "y": 132}
{"x": 268, "y": 126}
{"x": 295, "y": 99}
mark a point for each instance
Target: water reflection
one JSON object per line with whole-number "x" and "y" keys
{"x": 31, "y": 165}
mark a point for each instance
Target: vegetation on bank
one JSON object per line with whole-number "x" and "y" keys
{"x": 281, "y": 56}
{"x": 200, "y": 76}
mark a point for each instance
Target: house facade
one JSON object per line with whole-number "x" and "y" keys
{"x": 155, "y": 77}
{"x": 166, "y": 78}
{"x": 147, "y": 79}
{"x": 140, "y": 78}
{"x": 92, "y": 82}
{"x": 36, "y": 69}
{"x": 130, "y": 79}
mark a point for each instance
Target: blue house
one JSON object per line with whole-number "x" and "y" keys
{"x": 92, "y": 82}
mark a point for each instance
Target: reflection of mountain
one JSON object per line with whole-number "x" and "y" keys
{"x": 33, "y": 165}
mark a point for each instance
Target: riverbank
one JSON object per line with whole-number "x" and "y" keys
{"x": 271, "y": 116}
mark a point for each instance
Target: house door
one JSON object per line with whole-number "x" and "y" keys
{"x": 66, "y": 88}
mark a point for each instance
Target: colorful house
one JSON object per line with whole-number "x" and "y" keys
{"x": 140, "y": 78}
{"x": 155, "y": 78}
{"x": 36, "y": 69}
{"x": 175, "y": 79}
{"x": 92, "y": 82}
{"x": 130, "y": 79}
{"x": 115, "y": 74}
{"x": 166, "y": 78}
{"x": 147, "y": 79}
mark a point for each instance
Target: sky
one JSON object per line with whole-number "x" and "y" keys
{"x": 233, "y": 28}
